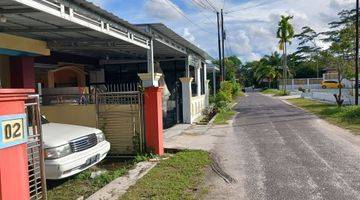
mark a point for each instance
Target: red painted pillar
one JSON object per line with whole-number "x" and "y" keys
{"x": 154, "y": 120}
{"x": 14, "y": 178}
{"x": 22, "y": 72}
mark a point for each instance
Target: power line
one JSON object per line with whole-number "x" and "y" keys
{"x": 185, "y": 16}
{"x": 254, "y": 6}
{"x": 211, "y": 5}
{"x": 206, "y": 18}
{"x": 201, "y": 4}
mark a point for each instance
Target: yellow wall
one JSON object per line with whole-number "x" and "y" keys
{"x": 5, "y": 71}
{"x": 116, "y": 121}
{"x": 83, "y": 115}
{"x": 18, "y": 43}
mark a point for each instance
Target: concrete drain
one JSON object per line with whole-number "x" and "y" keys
{"x": 215, "y": 166}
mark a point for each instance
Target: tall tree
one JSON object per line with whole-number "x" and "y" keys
{"x": 246, "y": 74}
{"x": 269, "y": 67}
{"x": 342, "y": 47}
{"x": 232, "y": 65}
{"x": 308, "y": 49}
{"x": 266, "y": 72}
{"x": 285, "y": 33}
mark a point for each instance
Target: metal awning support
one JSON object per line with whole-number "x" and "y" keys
{"x": 150, "y": 79}
{"x": 213, "y": 69}
{"x": 214, "y": 82}
{"x": 187, "y": 66}
{"x": 151, "y": 64}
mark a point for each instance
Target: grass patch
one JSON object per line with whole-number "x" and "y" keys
{"x": 181, "y": 176}
{"x": 223, "y": 117}
{"x": 270, "y": 91}
{"x": 281, "y": 93}
{"x": 82, "y": 185}
{"x": 276, "y": 92}
{"x": 240, "y": 94}
{"x": 347, "y": 117}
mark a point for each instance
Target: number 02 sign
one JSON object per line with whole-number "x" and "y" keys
{"x": 13, "y": 130}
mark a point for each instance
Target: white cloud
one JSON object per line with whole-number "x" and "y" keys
{"x": 188, "y": 35}
{"x": 251, "y": 30}
{"x": 163, "y": 10}
{"x": 102, "y": 3}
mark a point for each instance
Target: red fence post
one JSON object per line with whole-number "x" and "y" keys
{"x": 154, "y": 120}
{"x": 14, "y": 177}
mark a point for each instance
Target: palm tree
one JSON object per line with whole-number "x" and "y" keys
{"x": 285, "y": 33}
{"x": 266, "y": 72}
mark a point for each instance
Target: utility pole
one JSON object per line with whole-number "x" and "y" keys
{"x": 223, "y": 44}
{"x": 357, "y": 55}
{"x": 219, "y": 45}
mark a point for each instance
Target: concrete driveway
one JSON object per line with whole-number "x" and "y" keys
{"x": 276, "y": 151}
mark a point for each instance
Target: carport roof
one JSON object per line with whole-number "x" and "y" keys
{"x": 212, "y": 67}
{"x": 73, "y": 26}
{"x": 169, "y": 33}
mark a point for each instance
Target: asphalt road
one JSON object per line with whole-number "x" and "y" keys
{"x": 277, "y": 151}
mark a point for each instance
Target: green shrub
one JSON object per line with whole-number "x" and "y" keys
{"x": 236, "y": 88}
{"x": 227, "y": 87}
{"x": 331, "y": 111}
{"x": 350, "y": 114}
{"x": 222, "y": 100}
{"x": 228, "y": 91}
{"x": 212, "y": 99}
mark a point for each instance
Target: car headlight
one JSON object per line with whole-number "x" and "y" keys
{"x": 100, "y": 137}
{"x": 58, "y": 152}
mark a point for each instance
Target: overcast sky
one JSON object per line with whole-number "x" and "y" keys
{"x": 250, "y": 24}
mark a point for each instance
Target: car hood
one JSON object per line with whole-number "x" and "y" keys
{"x": 55, "y": 134}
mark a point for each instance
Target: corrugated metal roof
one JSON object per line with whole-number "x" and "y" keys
{"x": 69, "y": 36}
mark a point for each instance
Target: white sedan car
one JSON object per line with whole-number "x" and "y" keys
{"x": 71, "y": 149}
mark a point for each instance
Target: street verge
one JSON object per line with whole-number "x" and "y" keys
{"x": 344, "y": 117}
{"x": 90, "y": 181}
{"x": 224, "y": 116}
{"x": 181, "y": 176}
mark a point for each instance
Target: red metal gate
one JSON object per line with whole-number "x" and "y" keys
{"x": 37, "y": 181}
